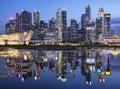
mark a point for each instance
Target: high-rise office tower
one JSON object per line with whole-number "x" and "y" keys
{"x": 72, "y": 31}
{"x": 85, "y": 18}
{"x": 100, "y": 23}
{"x": 101, "y": 12}
{"x": 107, "y": 24}
{"x": 73, "y": 23}
{"x": 18, "y": 22}
{"x": 90, "y": 32}
{"x": 61, "y": 23}
{"x": 36, "y": 17}
{"x": 26, "y": 20}
{"x": 52, "y": 24}
{"x": 98, "y": 27}
{"x": 88, "y": 11}
{"x": 41, "y": 30}
{"x": 36, "y": 24}
{"x": 11, "y": 26}
{"x": 84, "y": 21}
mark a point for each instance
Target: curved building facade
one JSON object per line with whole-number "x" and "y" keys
{"x": 16, "y": 38}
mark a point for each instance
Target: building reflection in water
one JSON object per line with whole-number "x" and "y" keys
{"x": 30, "y": 64}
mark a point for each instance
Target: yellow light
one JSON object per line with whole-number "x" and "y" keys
{"x": 107, "y": 73}
{"x": 115, "y": 53}
{"x": 107, "y": 16}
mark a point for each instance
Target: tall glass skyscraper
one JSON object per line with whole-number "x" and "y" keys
{"x": 26, "y": 20}
{"x": 98, "y": 27}
{"x": 84, "y": 21}
{"x": 107, "y": 24}
{"x": 88, "y": 11}
{"x": 101, "y": 12}
{"x": 11, "y": 26}
{"x": 18, "y": 22}
{"x": 100, "y": 23}
{"x": 52, "y": 24}
{"x": 61, "y": 23}
{"x": 36, "y": 17}
{"x": 73, "y": 23}
{"x": 85, "y": 18}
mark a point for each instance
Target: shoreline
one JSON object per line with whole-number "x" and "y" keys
{"x": 55, "y": 47}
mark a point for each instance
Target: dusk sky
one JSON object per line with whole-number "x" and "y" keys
{"x": 48, "y": 8}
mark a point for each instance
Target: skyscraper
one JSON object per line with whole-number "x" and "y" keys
{"x": 85, "y": 18}
{"x": 52, "y": 24}
{"x": 100, "y": 23}
{"x": 84, "y": 21}
{"x": 73, "y": 23}
{"x": 41, "y": 31}
{"x": 99, "y": 28}
{"x": 72, "y": 31}
{"x": 36, "y": 25}
{"x": 88, "y": 11}
{"x": 26, "y": 20}
{"x": 18, "y": 22}
{"x": 101, "y": 12}
{"x": 107, "y": 24}
{"x": 36, "y": 17}
{"x": 11, "y": 26}
{"x": 61, "y": 23}
{"x": 90, "y": 32}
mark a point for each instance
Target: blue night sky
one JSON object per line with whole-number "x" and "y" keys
{"x": 48, "y": 8}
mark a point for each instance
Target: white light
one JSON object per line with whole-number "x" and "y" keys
{"x": 11, "y": 18}
{"x": 56, "y": 58}
{"x": 90, "y": 82}
{"x": 25, "y": 33}
{"x": 90, "y": 60}
{"x": 22, "y": 79}
{"x": 25, "y": 57}
{"x": 45, "y": 60}
{"x": 59, "y": 78}
{"x": 63, "y": 80}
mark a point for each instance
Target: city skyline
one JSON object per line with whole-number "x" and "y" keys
{"x": 45, "y": 7}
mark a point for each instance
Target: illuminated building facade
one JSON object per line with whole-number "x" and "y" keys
{"x": 73, "y": 23}
{"x": 73, "y": 37}
{"x": 26, "y": 20}
{"x": 52, "y": 24}
{"x": 86, "y": 17}
{"x": 42, "y": 30}
{"x": 16, "y": 38}
{"x": 61, "y": 24}
{"x": 90, "y": 32}
{"x": 107, "y": 25}
{"x": 51, "y": 37}
{"x": 11, "y": 26}
{"x": 112, "y": 39}
{"x": 99, "y": 28}
{"x": 72, "y": 31}
{"x": 101, "y": 12}
{"x": 100, "y": 23}
{"x": 36, "y": 17}
{"x": 84, "y": 21}
{"x": 88, "y": 12}
{"x": 18, "y": 22}
{"x": 36, "y": 25}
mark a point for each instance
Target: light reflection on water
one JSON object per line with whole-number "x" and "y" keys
{"x": 61, "y": 69}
